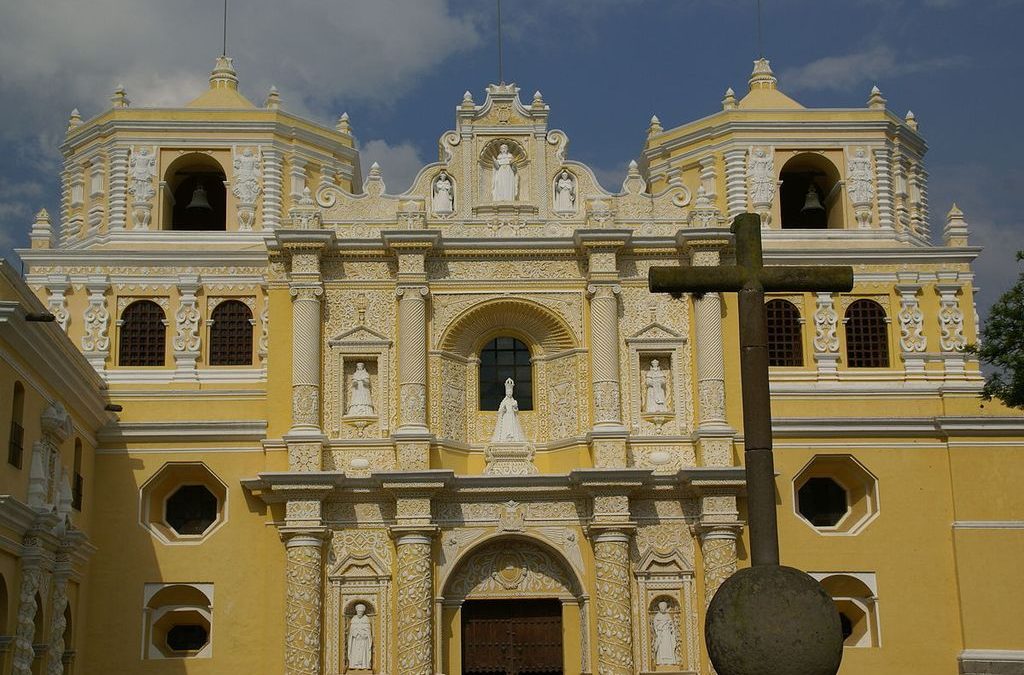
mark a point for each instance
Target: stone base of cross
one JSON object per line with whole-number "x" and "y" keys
{"x": 767, "y": 618}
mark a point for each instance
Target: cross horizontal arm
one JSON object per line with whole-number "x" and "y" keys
{"x": 804, "y": 278}
{"x": 697, "y": 280}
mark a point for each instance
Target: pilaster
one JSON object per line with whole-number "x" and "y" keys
{"x": 118, "y": 216}
{"x": 96, "y": 323}
{"x": 735, "y": 182}
{"x": 826, "y": 336}
{"x": 913, "y": 343}
{"x": 951, "y": 324}
{"x": 273, "y": 180}
{"x": 186, "y": 341}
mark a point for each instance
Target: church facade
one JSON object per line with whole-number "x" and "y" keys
{"x": 451, "y": 431}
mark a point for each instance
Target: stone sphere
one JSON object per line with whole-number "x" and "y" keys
{"x": 773, "y": 620}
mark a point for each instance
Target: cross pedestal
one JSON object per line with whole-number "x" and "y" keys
{"x": 766, "y": 618}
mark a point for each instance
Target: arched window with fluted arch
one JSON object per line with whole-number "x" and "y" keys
{"x": 502, "y": 358}
{"x": 16, "y": 441}
{"x": 231, "y": 334}
{"x": 867, "y": 335}
{"x": 142, "y": 335}
{"x": 785, "y": 334}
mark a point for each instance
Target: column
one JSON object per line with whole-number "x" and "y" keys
{"x": 614, "y": 613}
{"x": 718, "y": 549}
{"x": 735, "y": 182}
{"x": 415, "y": 589}
{"x": 298, "y": 176}
{"x": 604, "y": 353}
{"x": 714, "y": 435}
{"x": 913, "y": 343}
{"x": 304, "y": 588}
{"x": 951, "y": 325}
{"x": 186, "y": 341}
{"x": 24, "y": 632}
{"x": 883, "y": 172}
{"x": 118, "y": 216}
{"x": 826, "y": 336}
{"x": 272, "y": 187}
{"x": 96, "y": 323}
{"x": 58, "y": 603}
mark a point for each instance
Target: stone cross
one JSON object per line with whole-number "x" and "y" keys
{"x": 751, "y": 279}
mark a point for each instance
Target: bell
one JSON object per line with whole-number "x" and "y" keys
{"x": 199, "y": 201}
{"x": 811, "y": 201}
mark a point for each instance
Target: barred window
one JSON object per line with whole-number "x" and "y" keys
{"x": 785, "y": 338}
{"x": 867, "y": 335}
{"x": 502, "y": 358}
{"x": 231, "y": 334}
{"x": 142, "y": 335}
{"x": 16, "y": 440}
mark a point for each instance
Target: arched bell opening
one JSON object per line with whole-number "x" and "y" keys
{"x": 809, "y": 196}
{"x": 195, "y": 197}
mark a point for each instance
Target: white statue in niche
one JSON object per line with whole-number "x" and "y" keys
{"x": 505, "y": 183}
{"x": 565, "y": 193}
{"x": 247, "y": 176}
{"x": 656, "y": 385}
{"x": 665, "y": 639}
{"x": 507, "y": 429}
{"x": 360, "y": 395}
{"x": 141, "y": 169}
{"x": 442, "y": 201}
{"x": 359, "y": 647}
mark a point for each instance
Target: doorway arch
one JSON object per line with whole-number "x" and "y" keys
{"x": 515, "y": 568}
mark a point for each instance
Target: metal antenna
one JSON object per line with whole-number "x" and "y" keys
{"x": 501, "y": 73}
{"x": 760, "y": 47}
{"x": 224, "y": 44}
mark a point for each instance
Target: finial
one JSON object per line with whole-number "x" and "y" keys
{"x": 343, "y": 126}
{"x": 538, "y": 100}
{"x": 633, "y": 167}
{"x": 223, "y": 75}
{"x": 41, "y": 232}
{"x": 467, "y": 99}
{"x": 762, "y": 76}
{"x": 729, "y": 102}
{"x": 120, "y": 97}
{"x": 956, "y": 231}
{"x": 655, "y": 126}
{"x": 273, "y": 101}
{"x": 911, "y": 120}
{"x": 375, "y": 170}
{"x": 876, "y": 101}
{"x": 75, "y": 120}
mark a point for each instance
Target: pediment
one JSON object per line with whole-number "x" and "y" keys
{"x": 656, "y": 332}
{"x": 359, "y": 335}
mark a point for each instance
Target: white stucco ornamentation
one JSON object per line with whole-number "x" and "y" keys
{"x": 911, "y": 319}
{"x": 951, "y": 319}
{"x": 96, "y": 319}
{"x": 505, "y": 180}
{"x": 443, "y": 198}
{"x": 245, "y": 185}
{"x": 614, "y": 613}
{"x": 24, "y": 654}
{"x": 860, "y": 186}
{"x": 303, "y": 578}
{"x": 186, "y": 322}
{"x": 761, "y": 177}
{"x": 565, "y": 193}
{"x": 826, "y": 322}
{"x": 415, "y": 605}
{"x": 141, "y": 172}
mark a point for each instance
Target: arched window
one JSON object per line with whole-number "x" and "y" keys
{"x": 142, "y": 335}
{"x": 867, "y": 335}
{"x": 500, "y": 359}
{"x": 231, "y": 334}
{"x": 16, "y": 442}
{"x": 785, "y": 339}
{"x": 76, "y": 488}
{"x": 809, "y": 197}
{"x": 197, "y": 198}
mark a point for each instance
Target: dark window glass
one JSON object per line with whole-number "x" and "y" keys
{"x": 785, "y": 341}
{"x": 231, "y": 335}
{"x": 501, "y": 359}
{"x": 191, "y": 509}
{"x": 76, "y": 489}
{"x": 845, "y": 625}
{"x": 186, "y": 637}
{"x": 867, "y": 335}
{"x": 822, "y": 501}
{"x": 142, "y": 335}
{"x": 16, "y": 440}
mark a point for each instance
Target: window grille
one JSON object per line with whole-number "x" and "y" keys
{"x": 785, "y": 339}
{"x": 16, "y": 440}
{"x": 867, "y": 335}
{"x": 231, "y": 334}
{"x": 76, "y": 489}
{"x": 502, "y": 358}
{"x": 142, "y": 335}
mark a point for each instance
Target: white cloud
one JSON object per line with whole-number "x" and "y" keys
{"x": 844, "y": 73}
{"x": 399, "y": 163}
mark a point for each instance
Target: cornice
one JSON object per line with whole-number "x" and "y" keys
{"x": 184, "y": 431}
{"x": 164, "y": 257}
{"x": 869, "y": 427}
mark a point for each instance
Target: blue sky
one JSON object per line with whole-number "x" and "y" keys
{"x": 398, "y": 67}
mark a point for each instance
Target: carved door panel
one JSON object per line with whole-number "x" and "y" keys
{"x": 512, "y": 637}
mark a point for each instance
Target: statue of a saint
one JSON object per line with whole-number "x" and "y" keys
{"x": 761, "y": 171}
{"x": 442, "y": 201}
{"x": 505, "y": 183}
{"x": 141, "y": 169}
{"x": 360, "y": 398}
{"x": 359, "y": 647}
{"x": 656, "y": 385}
{"x": 246, "y": 183}
{"x": 664, "y": 627}
{"x": 507, "y": 429}
{"x": 565, "y": 193}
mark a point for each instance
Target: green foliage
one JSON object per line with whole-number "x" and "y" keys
{"x": 1002, "y": 345}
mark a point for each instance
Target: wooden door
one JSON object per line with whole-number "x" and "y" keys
{"x": 512, "y": 637}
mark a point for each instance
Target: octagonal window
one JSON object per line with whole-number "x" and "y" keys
{"x": 835, "y": 494}
{"x": 178, "y": 620}
{"x": 183, "y": 503}
{"x": 822, "y": 501}
{"x": 191, "y": 509}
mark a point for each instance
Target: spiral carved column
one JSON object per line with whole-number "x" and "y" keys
{"x": 304, "y": 586}
{"x": 306, "y": 357}
{"x": 604, "y": 353}
{"x": 412, "y": 357}
{"x": 614, "y": 614}
{"x": 714, "y": 435}
{"x": 415, "y": 605}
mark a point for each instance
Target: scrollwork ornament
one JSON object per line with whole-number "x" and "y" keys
{"x": 951, "y": 323}
{"x": 614, "y": 613}
{"x": 414, "y": 606}
{"x": 303, "y": 579}
{"x": 826, "y": 323}
{"x": 186, "y": 338}
{"x": 911, "y": 319}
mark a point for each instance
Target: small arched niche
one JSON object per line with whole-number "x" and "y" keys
{"x": 810, "y": 180}
{"x": 195, "y": 197}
